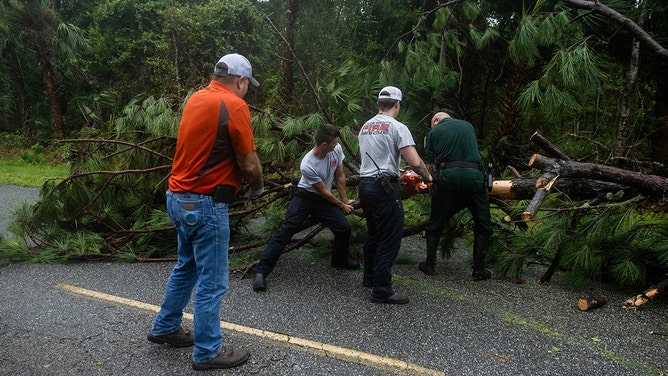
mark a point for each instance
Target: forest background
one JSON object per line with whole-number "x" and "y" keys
{"x": 101, "y": 85}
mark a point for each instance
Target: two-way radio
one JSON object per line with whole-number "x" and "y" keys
{"x": 382, "y": 178}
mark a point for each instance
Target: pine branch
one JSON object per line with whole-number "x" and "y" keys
{"x": 639, "y": 33}
{"x": 131, "y": 144}
{"x": 100, "y": 191}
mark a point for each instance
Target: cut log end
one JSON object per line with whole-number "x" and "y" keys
{"x": 591, "y": 303}
{"x": 532, "y": 160}
{"x": 527, "y": 216}
{"x": 502, "y": 189}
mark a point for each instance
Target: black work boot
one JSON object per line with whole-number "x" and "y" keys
{"x": 429, "y": 265}
{"x": 480, "y": 245}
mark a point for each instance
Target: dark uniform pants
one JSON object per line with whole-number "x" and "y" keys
{"x": 456, "y": 189}
{"x": 384, "y": 215}
{"x": 303, "y": 204}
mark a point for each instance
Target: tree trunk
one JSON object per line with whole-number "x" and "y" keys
{"x": 659, "y": 138}
{"x": 546, "y": 145}
{"x": 511, "y": 89}
{"x": 288, "y": 58}
{"x": 21, "y": 104}
{"x": 56, "y": 111}
{"x": 619, "y": 149}
{"x": 543, "y": 186}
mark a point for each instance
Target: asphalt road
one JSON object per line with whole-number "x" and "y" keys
{"x": 314, "y": 320}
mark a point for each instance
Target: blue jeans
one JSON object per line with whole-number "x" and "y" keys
{"x": 384, "y": 215}
{"x": 203, "y": 232}
{"x": 302, "y": 205}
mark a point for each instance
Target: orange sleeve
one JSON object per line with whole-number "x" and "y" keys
{"x": 241, "y": 131}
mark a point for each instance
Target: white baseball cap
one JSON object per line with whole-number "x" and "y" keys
{"x": 390, "y": 92}
{"x": 237, "y": 65}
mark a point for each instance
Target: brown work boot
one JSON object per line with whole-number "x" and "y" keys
{"x": 227, "y": 358}
{"x": 179, "y": 338}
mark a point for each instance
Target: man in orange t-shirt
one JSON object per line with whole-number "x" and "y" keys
{"x": 215, "y": 153}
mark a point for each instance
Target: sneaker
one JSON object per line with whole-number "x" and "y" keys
{"x": 179, "y": 338}
{"x": 227, "y": 358}
{"x": 392, "y": 299}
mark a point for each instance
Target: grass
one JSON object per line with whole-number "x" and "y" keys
{"x": 26, "y": 163}
{"x": 16, "y": 171}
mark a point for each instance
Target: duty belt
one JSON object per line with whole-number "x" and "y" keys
{"x": 459, "y": 164}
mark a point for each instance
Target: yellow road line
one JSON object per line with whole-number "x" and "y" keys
{"x": 331, "y": 351}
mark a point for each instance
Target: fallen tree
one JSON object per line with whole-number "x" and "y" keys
{"x": 589, "y": 182}
{"x": 112, "y": 206}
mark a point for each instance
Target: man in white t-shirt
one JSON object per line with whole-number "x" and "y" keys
{"x": 383, "y": 141}
{"x": 320, "y": 168}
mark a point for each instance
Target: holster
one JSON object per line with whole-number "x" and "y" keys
{"x": 488, "y": 177}
{"x": 223, "y": 193}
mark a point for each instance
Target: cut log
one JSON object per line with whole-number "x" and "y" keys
{"x": 546, "y": 182}
{"x": 535, "y": 204}
{"x": 637, "y": 301}
{"x": 591, "y": 303}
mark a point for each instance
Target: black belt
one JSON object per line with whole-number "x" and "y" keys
{"x": 459, "y": 164}
{"x": 390, "y": 178}
{"x": 222, "y": 193}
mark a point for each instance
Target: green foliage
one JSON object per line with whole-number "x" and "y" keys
{"x": 151, "y": 115}
{"x": 613, "y": 243}
{"x": 416, "y": 209}
{"x": 39, "y": 57}
{"x": 287, "y": 141}
{"x": 555, "y": 92}
{"x": 158, "y": 46}
{"x": 32, "y": 155}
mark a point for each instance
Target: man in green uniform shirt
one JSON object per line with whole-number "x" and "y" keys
{"x": 452, "y": 147}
